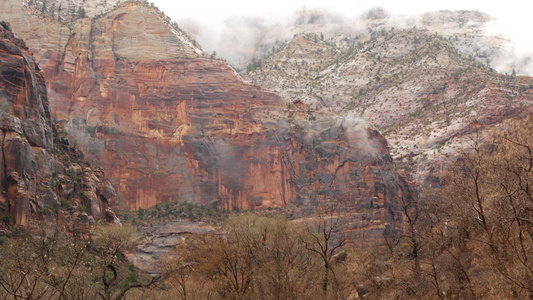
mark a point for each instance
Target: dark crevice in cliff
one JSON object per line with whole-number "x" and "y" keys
{"x": 90, "y": 50}
{"x": 59, "y": 52}
{"x": 4, "y": 169}
{"x": 63, "y": 54}
{"x": 28, "y": 90}
{"x": 285, "y": 158}
{"x": 27, "y": 87}
{"x": 27, "y": 94}
{"x": 283, "y": 188}
{"x": 117, "y": 19}
{"x": 336, "y": 171}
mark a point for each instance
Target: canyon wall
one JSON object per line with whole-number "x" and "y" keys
{"x": 167, "y": 123}
{"x": 38, "y": 166}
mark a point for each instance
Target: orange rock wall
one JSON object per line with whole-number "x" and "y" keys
{"x": 168, "y": 124}
{"x": 33, "y": 157}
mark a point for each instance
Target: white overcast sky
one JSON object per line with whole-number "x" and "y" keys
{"x": 515, "y": 16}
{"x": 216, "y": 10}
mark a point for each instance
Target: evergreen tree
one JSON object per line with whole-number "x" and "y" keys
{"x": 81, "y": 13}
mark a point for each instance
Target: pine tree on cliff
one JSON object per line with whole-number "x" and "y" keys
{"x": 81, "y": 13}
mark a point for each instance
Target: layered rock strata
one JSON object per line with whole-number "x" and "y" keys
{"x": 40, "y": 171}
{"x": 167, "y": 123}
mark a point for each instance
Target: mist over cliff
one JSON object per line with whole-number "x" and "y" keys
{"x": 240, "y": 38}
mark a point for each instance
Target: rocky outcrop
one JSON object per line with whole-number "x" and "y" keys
{"x": 167, "y": 123}
{"x": 160, "y": 238}
{"x": 36, "y": 164}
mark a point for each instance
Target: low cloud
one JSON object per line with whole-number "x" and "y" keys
{"x": 240, "y": 38}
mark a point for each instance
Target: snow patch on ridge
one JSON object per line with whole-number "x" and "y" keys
{"x": 184, "y": 39}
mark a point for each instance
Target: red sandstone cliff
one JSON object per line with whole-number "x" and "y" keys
{"x": 36, "y": 174}
{"x": 167, "y": 123}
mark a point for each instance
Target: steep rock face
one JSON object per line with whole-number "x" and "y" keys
{"x": 342, "y": 161}
{"x": 428, "y": 99}
{"x": 31, "y": 167}
{"x": 26, "y": 137}
{"x": 169, "y": 124}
